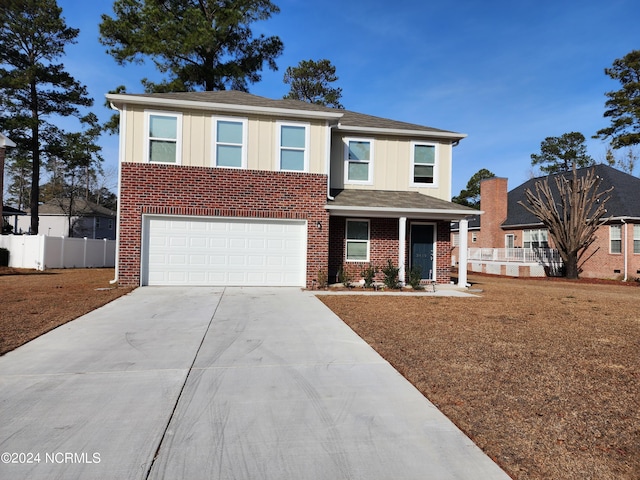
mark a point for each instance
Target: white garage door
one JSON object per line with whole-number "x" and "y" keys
{"x": 205, "y": 251}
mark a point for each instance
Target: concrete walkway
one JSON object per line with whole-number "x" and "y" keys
{"x": 212, "y": 383}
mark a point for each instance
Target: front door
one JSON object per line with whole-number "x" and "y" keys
{"x": 422, "y": 249}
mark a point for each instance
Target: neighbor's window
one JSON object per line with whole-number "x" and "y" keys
{"x": 164, "y": 130}
{"x": 230, "y": 142}
{"x": 357, "y": 248}
{"x": 423, "y": 164}
{"x": 535, "y": 238}
{"x": 358, "y": 161}
{"x": 110, "y": 224}
{"x": 636, "y": 239}
{"x": 615, "y": 238}
{"x": 456, "y": 240}
{"x": 97, "y": 222}
{"x": 292, "y": 147}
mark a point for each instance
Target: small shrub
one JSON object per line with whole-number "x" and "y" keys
{"x": 414, "y": 276}
{"x": 323, "y": 279}
{"x": 369, "y": 275}
{"x": 344, "y": 278}
{"x": 391, "y": 275}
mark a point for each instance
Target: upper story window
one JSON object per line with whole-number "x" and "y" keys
{"x": 423, "y": 165}
{"x": 230, "y": 142}
{"x": 357, "y": 248}
{"x": 164, "y": 132}
{"x": 358, "y": 158}
{"x": 615, "y": 238}
{"x": 293, "y": 147}
{"x": 535, "y": 238}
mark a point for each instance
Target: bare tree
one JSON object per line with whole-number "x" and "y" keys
{"x": 572, "y": 215}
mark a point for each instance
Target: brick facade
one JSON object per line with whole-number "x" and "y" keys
{"x": 384, "y": 245}
{"x": 215, "y": 192}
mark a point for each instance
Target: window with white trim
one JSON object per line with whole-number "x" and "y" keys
{"x": 293, "y": 144}
{"x": 615, "y": 238}
{"x": 423, "y": 164}
{"x": 357, "y": 241}
{"x": 358, "y": 160}
{"x": 535, "y": 238}
{"x": 230, "y": 142}
{"x": 509, "y": 240}
{"x": 636, "y": 238}
{"x": 164, "y": 131}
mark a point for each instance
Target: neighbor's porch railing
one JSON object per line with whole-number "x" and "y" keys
{"x": 545, "y": 256}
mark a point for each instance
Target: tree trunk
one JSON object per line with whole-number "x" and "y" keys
{"x": 35, "y": 151}
{"x": 571, "y": 267}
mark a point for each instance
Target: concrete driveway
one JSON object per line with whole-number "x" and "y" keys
{"x": 219, "y": 383}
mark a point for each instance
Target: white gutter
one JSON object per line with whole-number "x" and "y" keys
{"x": 222, "y": 107}
{"x": 403, "y": 132}
{"x": 121, "y": 144}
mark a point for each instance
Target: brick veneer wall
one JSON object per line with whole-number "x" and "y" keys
{"x": 217, "y": 192}
{"x": 384, "y": 245}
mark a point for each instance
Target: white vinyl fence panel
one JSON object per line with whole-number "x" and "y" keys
{"x": 41, "y": 252}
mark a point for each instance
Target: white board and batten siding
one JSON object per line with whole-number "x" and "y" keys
{"x": 223, "y": 251}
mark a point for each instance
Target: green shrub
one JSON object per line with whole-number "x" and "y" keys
{"x": 414, "y": 276}
{"x": 323, "y": 279}
{"x": 369, "y": 275}
{"x": 344, "y": 278}
{"x": 391, "y": 275}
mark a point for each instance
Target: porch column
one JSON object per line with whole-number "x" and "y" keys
{"x": 463, "y": 253}
{"x": 402, "y": 247}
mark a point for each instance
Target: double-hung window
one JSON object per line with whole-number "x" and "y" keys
{"x": 423, "y": 165}
{"x": 357, "y": 242}
{"x": 293, "y": 146}
{"x": 535, "y": 239}
{"x": 164, "y": 131}
{"x": 636, "y": 238}
{"x": 615, "y": 238}
{"x": 358, "y": 157}
{"x": 230, "y": 140}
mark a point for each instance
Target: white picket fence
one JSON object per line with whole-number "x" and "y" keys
{"x": 41, "y": 252}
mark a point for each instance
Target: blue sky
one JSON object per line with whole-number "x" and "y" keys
{"x": 506, "y": 73}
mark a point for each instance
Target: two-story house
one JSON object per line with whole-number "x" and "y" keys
{"x": 228, "y": 188}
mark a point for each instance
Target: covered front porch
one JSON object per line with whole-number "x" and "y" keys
{"x": 371, "y": 227}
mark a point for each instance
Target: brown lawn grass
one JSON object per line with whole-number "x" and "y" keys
{"x": 32, "y": 302}
{"x": 543, "y": 375}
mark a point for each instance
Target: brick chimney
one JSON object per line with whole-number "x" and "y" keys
{"x": 493, "y": 202}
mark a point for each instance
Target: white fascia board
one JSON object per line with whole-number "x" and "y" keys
{"x": 398, "y": 212}
{"x": 117, "y": 100}
{"x": 5, "y": 141}
{"x": 402, "y": 132}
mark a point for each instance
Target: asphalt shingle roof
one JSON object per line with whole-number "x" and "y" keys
{"x": 391, "y": 199}
{"x": 80, "y": 207}
{"x": 348, "y": 119}
{"x": 624, "y": 201}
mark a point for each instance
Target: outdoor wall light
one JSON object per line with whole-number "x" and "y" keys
{"x": 319, "y": 225}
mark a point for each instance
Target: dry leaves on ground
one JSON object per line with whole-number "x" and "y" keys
{"x": 542, "y": 375}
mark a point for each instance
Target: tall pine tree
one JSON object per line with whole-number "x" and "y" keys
{"x": 34, "y": 88}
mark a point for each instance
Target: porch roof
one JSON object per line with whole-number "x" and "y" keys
{"x": 386, "y": 203}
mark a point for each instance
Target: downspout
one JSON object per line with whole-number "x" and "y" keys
{"x": 328, "y": 159}
{"x": 624, "y": 243}
{"x": 121, "y": 132}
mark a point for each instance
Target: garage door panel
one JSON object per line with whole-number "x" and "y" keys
{"x": 198, "y": 251}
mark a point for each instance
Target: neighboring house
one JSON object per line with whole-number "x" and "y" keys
{"x": 507, "y": 224}
{"x": 228, "y": 188}
{"x": 87, "y": 220}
